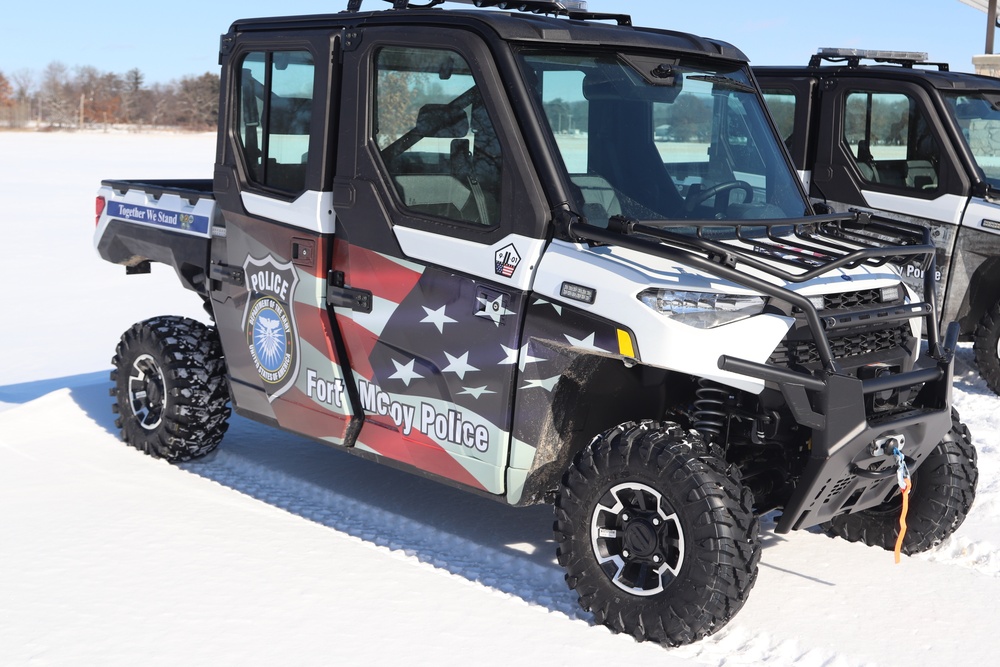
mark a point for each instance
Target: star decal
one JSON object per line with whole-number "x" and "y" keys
{"x": 541, "y": 301}
{"x": 405, "y": 372}
{"x": 458, "y": 365}
{"x": 585, "y": 343}
{"x": 521, "y": 356}
{"x": 546, "y": 384}
{"x": 493, "y": 309}
{"x": 476, "y": 392}
{"x": 437, "y": 318}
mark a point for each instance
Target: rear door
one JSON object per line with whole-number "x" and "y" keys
{"x": 270, "y": 259}
{"x": 440, "y": 222}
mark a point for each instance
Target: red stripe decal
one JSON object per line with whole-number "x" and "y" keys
{"x": 417, "y": 450}
{"x": 381, "y": 276}
{"x": 314, "y": 328}
{"x": 297, "y": 412}
{"x": 359, "y": 342}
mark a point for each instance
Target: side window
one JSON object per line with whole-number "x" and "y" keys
{"x": 275, "y": 114}
{"x": 781, "y": 105}
{"x": 435, "y": 136}
{"x": 891, "y": 141}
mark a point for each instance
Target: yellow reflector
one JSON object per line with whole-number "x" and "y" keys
{"x": 625, "y": 344}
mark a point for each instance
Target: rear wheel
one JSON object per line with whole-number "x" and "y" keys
{"x": 170, "y": 388}
{"x": 987, "y": 348}
{"x": 657, "y": 536}
{"x": 944, "y": 487}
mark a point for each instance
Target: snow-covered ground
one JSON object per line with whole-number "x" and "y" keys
{"x": 281, "y": 551}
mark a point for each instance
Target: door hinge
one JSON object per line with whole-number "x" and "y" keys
{"x": 351, "y": 39}
{"x": 227, "y": 274}
{"x": 339, "y": 296}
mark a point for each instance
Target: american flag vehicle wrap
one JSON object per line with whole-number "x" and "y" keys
{"x": 443, "y": 366}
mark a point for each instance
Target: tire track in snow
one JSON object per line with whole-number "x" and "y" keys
{"x": 507, "y": 573}
{"x": 503, "y": 572}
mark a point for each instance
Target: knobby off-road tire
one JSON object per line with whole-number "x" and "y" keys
{"x": 987, "y": 348}
{"x": 944, "y": 487}
{"x": 170, "y": 390}
{"x": 657, "y": 536}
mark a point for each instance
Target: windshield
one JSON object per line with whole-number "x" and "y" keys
{"x": 977, "y": 115}
{"x": 654, "y": 138}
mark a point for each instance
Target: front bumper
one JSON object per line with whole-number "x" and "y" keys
{"x": 843, "y": 473}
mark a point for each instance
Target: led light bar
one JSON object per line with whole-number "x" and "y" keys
{"x": 872, "y": 54}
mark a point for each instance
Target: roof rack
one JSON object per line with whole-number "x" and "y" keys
{"x": 853, "y": 58}
{"x": 574, "y": 9}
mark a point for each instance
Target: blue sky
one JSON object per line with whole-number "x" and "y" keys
{"x": 169, "y": 40}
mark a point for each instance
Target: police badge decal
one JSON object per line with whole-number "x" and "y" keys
{"x": 269, "y": 323}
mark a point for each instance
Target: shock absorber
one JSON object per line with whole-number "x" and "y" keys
{"x": 710, "y": 409}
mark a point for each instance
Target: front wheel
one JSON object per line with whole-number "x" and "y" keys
{"x": 170, "y": 388}
{"x": 987, "y": 348}
{"x": 657, "y": 537}
{"x": 944, "y": 487}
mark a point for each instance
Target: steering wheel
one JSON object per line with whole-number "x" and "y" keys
{"x": 698, "y": 196}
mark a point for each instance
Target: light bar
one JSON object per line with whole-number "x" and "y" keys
{"x": 561, "y": 5}
{"x": 872, "y": 54}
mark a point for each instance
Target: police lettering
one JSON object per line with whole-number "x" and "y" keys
{"x": 269, "y": 281}
{"x": 324, "y": 391}
{"x": 452, "y": 428}
{"x": 373, "y": 399}
{"x": 917, "y": 272}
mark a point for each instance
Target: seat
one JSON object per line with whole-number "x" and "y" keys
{"x": 475, "y": 208}
{"x": 600, "y": 201}
{"x": 920, "y": 175}
{"x": 866, "y": 162}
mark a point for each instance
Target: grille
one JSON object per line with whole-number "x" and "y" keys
{"x": 866, "y": 298}
{"x": 848, "y": 300}
{"x": 850, "y": 345}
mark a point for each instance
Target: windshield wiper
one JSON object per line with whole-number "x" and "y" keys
{"x": 723, "y": 81}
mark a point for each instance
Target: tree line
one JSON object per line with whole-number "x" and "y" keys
{"x": 60, "y": 97}
{"x": 688, "y": 118}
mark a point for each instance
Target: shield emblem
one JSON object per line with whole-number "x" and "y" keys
{"x": 269, "y": 322}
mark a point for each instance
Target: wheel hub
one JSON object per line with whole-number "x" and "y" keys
{"x": 637, "y": 538}
{"x": 640, "y": 538}
{"x": 146, "y": 391}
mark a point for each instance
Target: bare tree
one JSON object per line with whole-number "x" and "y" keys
{"x": 15, "y": 104}
{"x": 24, "y": 84}
{"x": 59, "y": 98}
{"x": 130, "y": 94}
{"x": 198, "y": 101}
{"x": 6, "y": 92}
{"x": 58, "y": 103}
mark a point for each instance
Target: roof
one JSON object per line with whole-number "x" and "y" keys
{"x": 942, "y": 80}
{"x": 511, "y": 26}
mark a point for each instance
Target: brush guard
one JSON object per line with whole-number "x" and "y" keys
{"x": 844, "y": 473}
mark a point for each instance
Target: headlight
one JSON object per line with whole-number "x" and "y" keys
{"x": 703, "y": 310}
